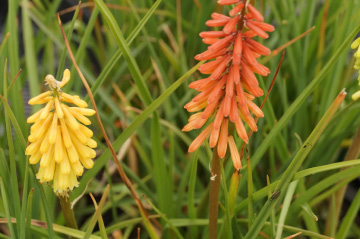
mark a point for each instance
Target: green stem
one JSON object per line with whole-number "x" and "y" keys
{"x": 214, "y": 194}
{"x": 68, "y": 211}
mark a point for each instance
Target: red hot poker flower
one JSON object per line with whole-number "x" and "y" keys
{"x": 226, "y": 96}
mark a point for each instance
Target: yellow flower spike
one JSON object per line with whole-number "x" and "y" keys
{"x": 35, "y": 100}
{"x": 46, "y": 110}
{"x": 59, "y": 140}
{"x": 65, "y": 79}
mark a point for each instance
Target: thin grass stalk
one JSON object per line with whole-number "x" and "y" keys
{"x": 122, "y": 174}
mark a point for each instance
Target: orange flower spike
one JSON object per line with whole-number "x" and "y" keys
{"x": 227, "y": 94}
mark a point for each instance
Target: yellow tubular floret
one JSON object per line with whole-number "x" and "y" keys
{"x": 65, "y": 79}
{"x": 46, "y": 110}
{"x": 84, "y": 111}
{"x": 69, "y": 118}
{"x": 33, "y": 118}
{"x": 35, "y": 100}
{"x": 53, "y": 130}
{"x": 58, "y": 108}
{"x": 59, "y": 155}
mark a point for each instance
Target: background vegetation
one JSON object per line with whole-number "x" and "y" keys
{"x": 140, "y": 88}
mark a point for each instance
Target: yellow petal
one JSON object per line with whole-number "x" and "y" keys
{"x": 47, "y": 158}
{"x": 73, "y": 155}
{"x": 45, "y": 144}
{"x": 53, "y": 129}
{"x": 78, "y": 168}
{"x": 46, "y": 110}
{"x": 58, "y": 108}
{"x": 44, "y": 127}
{"x": 33, "y": 148}
{"x": 49, "y": 172}
{"x": 65, "y": 134}
{"x": 34, "y": 159}
{"x": 37, "y": 99}
{"x": 65, "y": 164}
{"x": 84, "y": 111}
{"x": 87, "y": 163}
{"x": 69, "y": 118}
{"x": 59, "y": 149}
{"x": 86, "y": 131}
{"x": 34, "y": 117}
{"x": 73, "y": 99}
{"x": 79, "y": 117}
{"x": 91, "y": 143}
{"x": 66, "y": 78}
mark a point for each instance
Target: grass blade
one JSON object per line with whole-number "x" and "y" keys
{"x": 293, "y": 167}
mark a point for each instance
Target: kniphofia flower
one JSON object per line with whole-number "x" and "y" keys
{"x": 354, "y": 45}
{"x": 226, "y": 95}
{"x": 59, "y": 138}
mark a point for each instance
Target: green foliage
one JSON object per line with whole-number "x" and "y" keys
{"x": 138, "y": 57}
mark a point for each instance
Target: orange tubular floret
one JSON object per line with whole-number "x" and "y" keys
{"x": 236, "y": 9}
{"x": 235, "y": 156}
{"x": 212, "y": 34}
{"x": 222, "y": 143}
{"x": 217, "y": 22}
{"x": 231, "y": 25}
{"x": 200, "y": 139}
{"x": 261, "y": 33}
{"x": 256, "y": 14}
{"x": 224, "y": 42}
{"x": 228, "y": 2}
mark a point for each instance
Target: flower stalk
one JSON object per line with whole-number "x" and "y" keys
{"x": 68, "y": 211}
